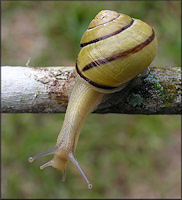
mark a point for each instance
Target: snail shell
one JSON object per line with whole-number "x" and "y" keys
{"x": 115, "y": 49}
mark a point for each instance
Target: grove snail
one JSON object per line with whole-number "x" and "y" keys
{"x": 114, "y": 49}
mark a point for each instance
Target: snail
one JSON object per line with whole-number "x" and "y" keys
{"x": 114, "y": 49}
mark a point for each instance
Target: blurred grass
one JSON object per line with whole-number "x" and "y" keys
{"x": 125, "y": 156}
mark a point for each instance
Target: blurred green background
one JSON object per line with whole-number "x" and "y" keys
{"x": 124, "y": 156}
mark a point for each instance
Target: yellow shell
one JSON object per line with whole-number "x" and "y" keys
{"x": 115, "y": 49}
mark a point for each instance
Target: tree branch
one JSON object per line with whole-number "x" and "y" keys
{"x": 46, "y": 90}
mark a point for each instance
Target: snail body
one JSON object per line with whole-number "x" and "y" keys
{"x": 114, "y": 49}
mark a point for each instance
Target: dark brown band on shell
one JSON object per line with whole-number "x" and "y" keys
{"x": 120, "y": 55}
{"x": 109, "y": 35}
{"x": 105, "y": 22}
{"x": 93, "y": 83}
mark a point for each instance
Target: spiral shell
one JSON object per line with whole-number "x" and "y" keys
{"x": 114, "y": 49}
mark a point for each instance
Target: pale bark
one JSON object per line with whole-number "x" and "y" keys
{"x": 46, "y": 90}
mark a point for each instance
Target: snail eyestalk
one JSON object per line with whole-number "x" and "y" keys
{"x": 48, "y": 152}
{"x": 75, "y": 162}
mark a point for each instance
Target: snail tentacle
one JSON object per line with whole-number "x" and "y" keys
{"x": 45, "y": 153}
{"x": 64, "y": 175}
{"x": 76, "y": 163}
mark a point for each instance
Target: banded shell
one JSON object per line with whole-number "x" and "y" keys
{"x": 114, "y": 49}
